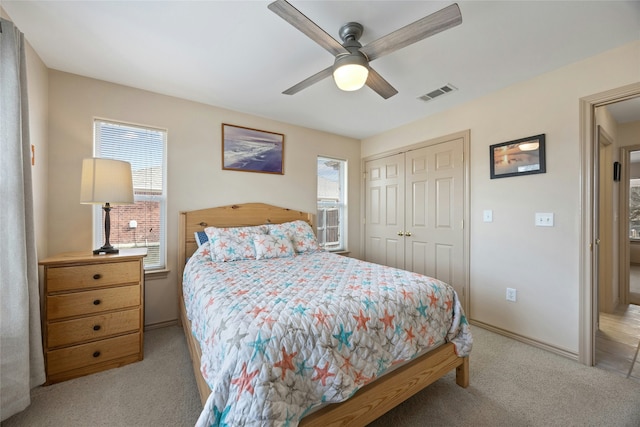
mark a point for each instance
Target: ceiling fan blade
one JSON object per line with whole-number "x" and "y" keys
{"x": 309, "y": 81}
{"x": 380, "y": 85}
{"x": 296, "y": 18}
{"x": 429, "y": 25}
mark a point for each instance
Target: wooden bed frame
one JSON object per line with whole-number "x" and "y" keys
{"x": 371, "y": 401}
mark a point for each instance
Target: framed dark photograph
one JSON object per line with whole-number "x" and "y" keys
{"x": 251, "y": 150}
{"x": 519, "y": 157}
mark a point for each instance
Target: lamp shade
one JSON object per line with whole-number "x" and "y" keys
{"x": 350, "y": 72}
{"x": 106, "y": 181}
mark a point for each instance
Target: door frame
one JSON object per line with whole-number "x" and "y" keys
{"x": 588, "y": 290}
{"x": 465, "y": 135}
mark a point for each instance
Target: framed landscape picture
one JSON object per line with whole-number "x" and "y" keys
{"x": 519, "y": 157}
{"x": 251, "y": 150}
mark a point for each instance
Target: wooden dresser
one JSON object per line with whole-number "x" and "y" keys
{"x": 93, "y": 312}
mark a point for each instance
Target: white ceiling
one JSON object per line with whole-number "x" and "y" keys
{"x": 240, "y": 55}
{"x": 625, "y": 111}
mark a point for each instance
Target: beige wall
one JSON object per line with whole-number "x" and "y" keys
{"x": 607, "y": 122}
{"x": 541, "y": 263}
{"x": 195, "y": 179}
{"x": 38, "y": 87}
{"x": 629, "y": 134}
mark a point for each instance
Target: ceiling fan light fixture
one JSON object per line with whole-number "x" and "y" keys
{"x": 350, "y": 72}
{"x": 352, "y": 51}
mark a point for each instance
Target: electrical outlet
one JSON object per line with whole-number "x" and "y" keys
{"x": 511, "y": 294}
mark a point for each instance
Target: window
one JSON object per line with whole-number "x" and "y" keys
{"x": 634, "y": 208}
{"x": 142, "y": 224}
{"x": 332, "y": 203}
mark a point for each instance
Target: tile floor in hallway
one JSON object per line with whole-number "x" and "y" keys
{"x": 619, "y": 333}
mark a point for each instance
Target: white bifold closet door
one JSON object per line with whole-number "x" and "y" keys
{"x": 415, "y": 211}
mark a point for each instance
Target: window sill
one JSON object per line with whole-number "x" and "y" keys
{"x": 156, "y": 274}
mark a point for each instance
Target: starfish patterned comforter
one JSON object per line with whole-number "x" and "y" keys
{"x": 282, "y": 336}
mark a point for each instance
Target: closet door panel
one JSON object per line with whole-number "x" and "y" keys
{"x": 419, "y": 255}
{"x": 445, "y": 263}
{"x": 447, "y": 205}
{"x": 444, "y": 203}
{"x": 384, "y": 211}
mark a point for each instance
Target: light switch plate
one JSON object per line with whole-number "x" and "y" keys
{"x": 544, "y": 219}
{"x": 487, "y": 215}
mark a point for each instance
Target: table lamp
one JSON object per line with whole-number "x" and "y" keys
{"x": 106, "y": 182}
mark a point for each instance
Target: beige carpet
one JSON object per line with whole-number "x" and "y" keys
{"x": 512, "y": 384}
{"x": 158, "y": 391}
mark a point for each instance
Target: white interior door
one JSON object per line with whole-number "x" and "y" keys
{"x": 384, "y": 211}
{"x": 434, "y": 236}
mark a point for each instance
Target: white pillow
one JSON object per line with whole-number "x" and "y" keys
{"x": 272, "y": 246}
{"x": 233, "y": 244}
{"x": 300, "y": 233}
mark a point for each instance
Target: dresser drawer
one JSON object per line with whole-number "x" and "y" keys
{"x": 92, "y": 302}
{"x": 91, "y": 328}
{"x": 92, "y": 275}
{"x": 81, "y": 356}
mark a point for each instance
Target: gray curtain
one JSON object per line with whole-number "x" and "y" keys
{"x": 21, "y": 359}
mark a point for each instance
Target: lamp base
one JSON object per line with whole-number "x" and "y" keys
{"x": 106, "y": 250}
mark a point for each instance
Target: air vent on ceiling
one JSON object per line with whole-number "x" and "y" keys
{"x": 438, "y": 92}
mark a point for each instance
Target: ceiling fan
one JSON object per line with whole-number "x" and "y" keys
{"x": 351, "y": 69}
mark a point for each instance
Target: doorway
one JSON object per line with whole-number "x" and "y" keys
{"x": 589, "y": 233}
{"x": 630, "y": 225}
{"x": 618, "y": 325}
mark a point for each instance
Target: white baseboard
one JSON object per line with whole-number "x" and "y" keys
{"x": 160, "y": 325}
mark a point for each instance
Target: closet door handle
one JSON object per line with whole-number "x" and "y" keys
{"x": 400, "y": 233}
{"x": 408, "y": 234}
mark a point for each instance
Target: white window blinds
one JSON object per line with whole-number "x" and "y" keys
{"x": 142, "y": 224}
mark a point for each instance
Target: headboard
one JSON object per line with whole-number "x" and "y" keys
{"x": 239, "y": 215}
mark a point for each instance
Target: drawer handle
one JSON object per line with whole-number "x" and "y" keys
{"x": 96, "y": 328}
{"x": 96, "y": 302}
{"x": 97, "y": 276}
{"x": 96, "y": 354}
